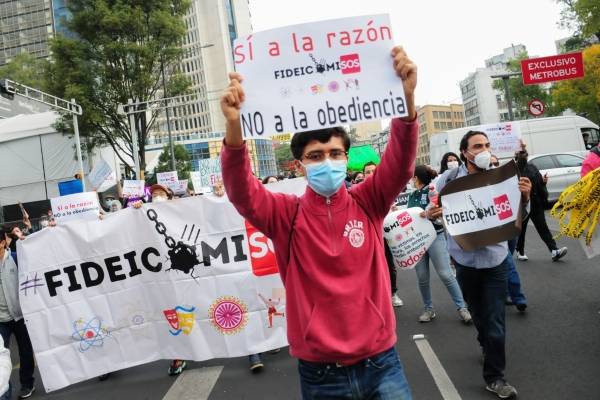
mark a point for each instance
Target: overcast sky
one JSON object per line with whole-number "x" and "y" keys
{"x": 447, "y": 39}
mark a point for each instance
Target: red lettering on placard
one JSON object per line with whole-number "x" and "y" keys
{"x": 262, "y": 254}
{"x": 350, "y": 63}
{"x": 502, "y": 206}
{"x": 404, "y": 219}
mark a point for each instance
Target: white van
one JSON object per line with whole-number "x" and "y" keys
{"x": 566, "y": 134}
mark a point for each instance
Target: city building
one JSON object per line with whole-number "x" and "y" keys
{"x": 262, "y": 157}
{"x": 25, "y": 26}
{"x": 482, "y": 103}
{"x": 436, "y": 118}
{"x": 196, "y": 121}
{"x": 212, "y": 26}
{"x": 363, "y": 131}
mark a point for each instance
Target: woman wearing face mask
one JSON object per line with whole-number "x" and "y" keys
{"x": 449, "y": 161}
{"x": 437, "y": 253}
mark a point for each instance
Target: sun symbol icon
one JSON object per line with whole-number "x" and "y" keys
{"x": 228, "y": 315}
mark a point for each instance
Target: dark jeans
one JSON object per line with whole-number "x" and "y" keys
{"x": 514, "y": 282}
{"x": 538, "y": 218}
{"x": 484, "y": 291}
{"x": 25, "y": 349}
{"x": 391, "y": 268}
{"x": 380, "y": 377}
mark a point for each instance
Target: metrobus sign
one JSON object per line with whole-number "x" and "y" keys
{"x": 553, "y": 68}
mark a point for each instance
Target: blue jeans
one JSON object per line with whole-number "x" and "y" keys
{"x": 485, "y": 292}
{"x": 438, "y": 253}
{"x": 380, "y": 377}
{"x": 514, "y": 282}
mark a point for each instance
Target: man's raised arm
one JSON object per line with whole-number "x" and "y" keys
{"x": 268, "y": 212}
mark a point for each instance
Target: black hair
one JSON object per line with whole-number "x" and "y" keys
{"x": 355, "y": 175}
{"x": 265, "y": 180}
{"x": 444, "y": 162}
{"x": 300, "y": 140}
{"x": 367, "y": 164}
{"x": 464, "y": 142}
{"x": 425, "y": 174}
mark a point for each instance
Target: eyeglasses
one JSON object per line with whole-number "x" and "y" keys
{"x": 318, "y": 156}
{"x": 495, "y": 164}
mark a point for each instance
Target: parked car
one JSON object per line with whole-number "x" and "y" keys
{"x": 562, "y": 168}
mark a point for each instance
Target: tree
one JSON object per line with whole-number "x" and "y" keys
{"x": 25, "y": 69}
{"x": 582, "y": 16}
{"x": 582, "y": 95}
{"x": 118, "y": 54}
{"x": 183, "y": 162}
{"x": 283, "y": 156}
{"x": 522, "y": 94}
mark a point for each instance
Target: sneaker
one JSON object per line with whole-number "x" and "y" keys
{"x": 508, "y": 301}
{"x": 559, "y": 253}
{"x": 26, "y": 392}
{"x": 177, "y": 367}
{"x": 521, "y": 307}
{"x": 427, "y": 316}
{"x": 256, "y": 364}
{"x": 397, "y": 301}
{"x": 465, "y": 315}
{"x": 502, "y": 389}
{"x": 275, "y": 351}
{"x": 522, "y": 256}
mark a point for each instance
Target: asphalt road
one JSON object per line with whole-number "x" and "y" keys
{"x": 552, "y": 350}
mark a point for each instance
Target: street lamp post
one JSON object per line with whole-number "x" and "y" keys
{"x": 505, "y": 78}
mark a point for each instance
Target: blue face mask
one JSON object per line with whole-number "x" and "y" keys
{"x": 326, "y": 177}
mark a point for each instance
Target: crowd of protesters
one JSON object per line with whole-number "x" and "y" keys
{"x": 353, "y": 283}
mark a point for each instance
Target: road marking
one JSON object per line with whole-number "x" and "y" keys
{"x": 441, "y": 378}
{"x": 194, "y": 384}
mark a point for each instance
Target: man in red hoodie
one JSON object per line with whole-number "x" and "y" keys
{"x": 329, "y": 248}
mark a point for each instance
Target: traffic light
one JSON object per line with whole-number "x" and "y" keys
{"x": 7, "y": 90}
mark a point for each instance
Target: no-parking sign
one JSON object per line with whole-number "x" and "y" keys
{"x": 536, "y": 107}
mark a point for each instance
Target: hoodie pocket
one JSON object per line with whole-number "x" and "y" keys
{"x": 346, "y": 328}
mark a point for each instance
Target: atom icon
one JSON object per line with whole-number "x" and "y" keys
{"x": 228, "y": 315}
{"x": 90, "y": 334}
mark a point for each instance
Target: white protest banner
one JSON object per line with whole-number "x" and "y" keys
{"x": 133, "y": 188}
{"x": 99, "y": 173}
{"x": 408, "y": 235}
{"x": 106, "y": 295}
{"x": 317, "y": 75}
{"x": 504, "y": 137}
{"x": 167, "y": 178}
{"x": 483, "y": 208}
{"x": 76, "y": 206}
{"x": 197, "y": 182}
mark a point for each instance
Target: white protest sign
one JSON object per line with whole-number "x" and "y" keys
{"x": 167, "y": 178}
{"x": 180, "y": 187}
{"x": 483, "y": 208}
{"x": 317, "y": 75}
{"x": 133, "y": 188}
{"x": 593, "y": 249}
{"x": 208, "y": 174}
{"x": 99, "y": 173}
{"x": 408, "y": 235}
{"x": 76, "y": 206}
{"x": 105, "y": 295}
{"x": 504, "y": 137}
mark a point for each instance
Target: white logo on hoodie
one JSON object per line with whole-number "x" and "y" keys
{"x": 354, "y": 232}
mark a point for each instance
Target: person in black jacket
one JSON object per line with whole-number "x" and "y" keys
{"x": 539, "y": 201}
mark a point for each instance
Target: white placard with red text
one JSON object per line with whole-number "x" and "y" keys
{"x": 408, "y": 236}
{"x": 167, "y": 179}
{"x": 76, "y": 206}
{"x": 318, "y": 75}
{"x": 482, "y": 208}
{"x": 133, "y": 188}
{"x": 504, "y": 137}
{"x": 105, "y": 295}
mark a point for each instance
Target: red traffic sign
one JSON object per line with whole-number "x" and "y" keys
{"x": 536, "y": 107}
{"x": 553, "y": 68}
